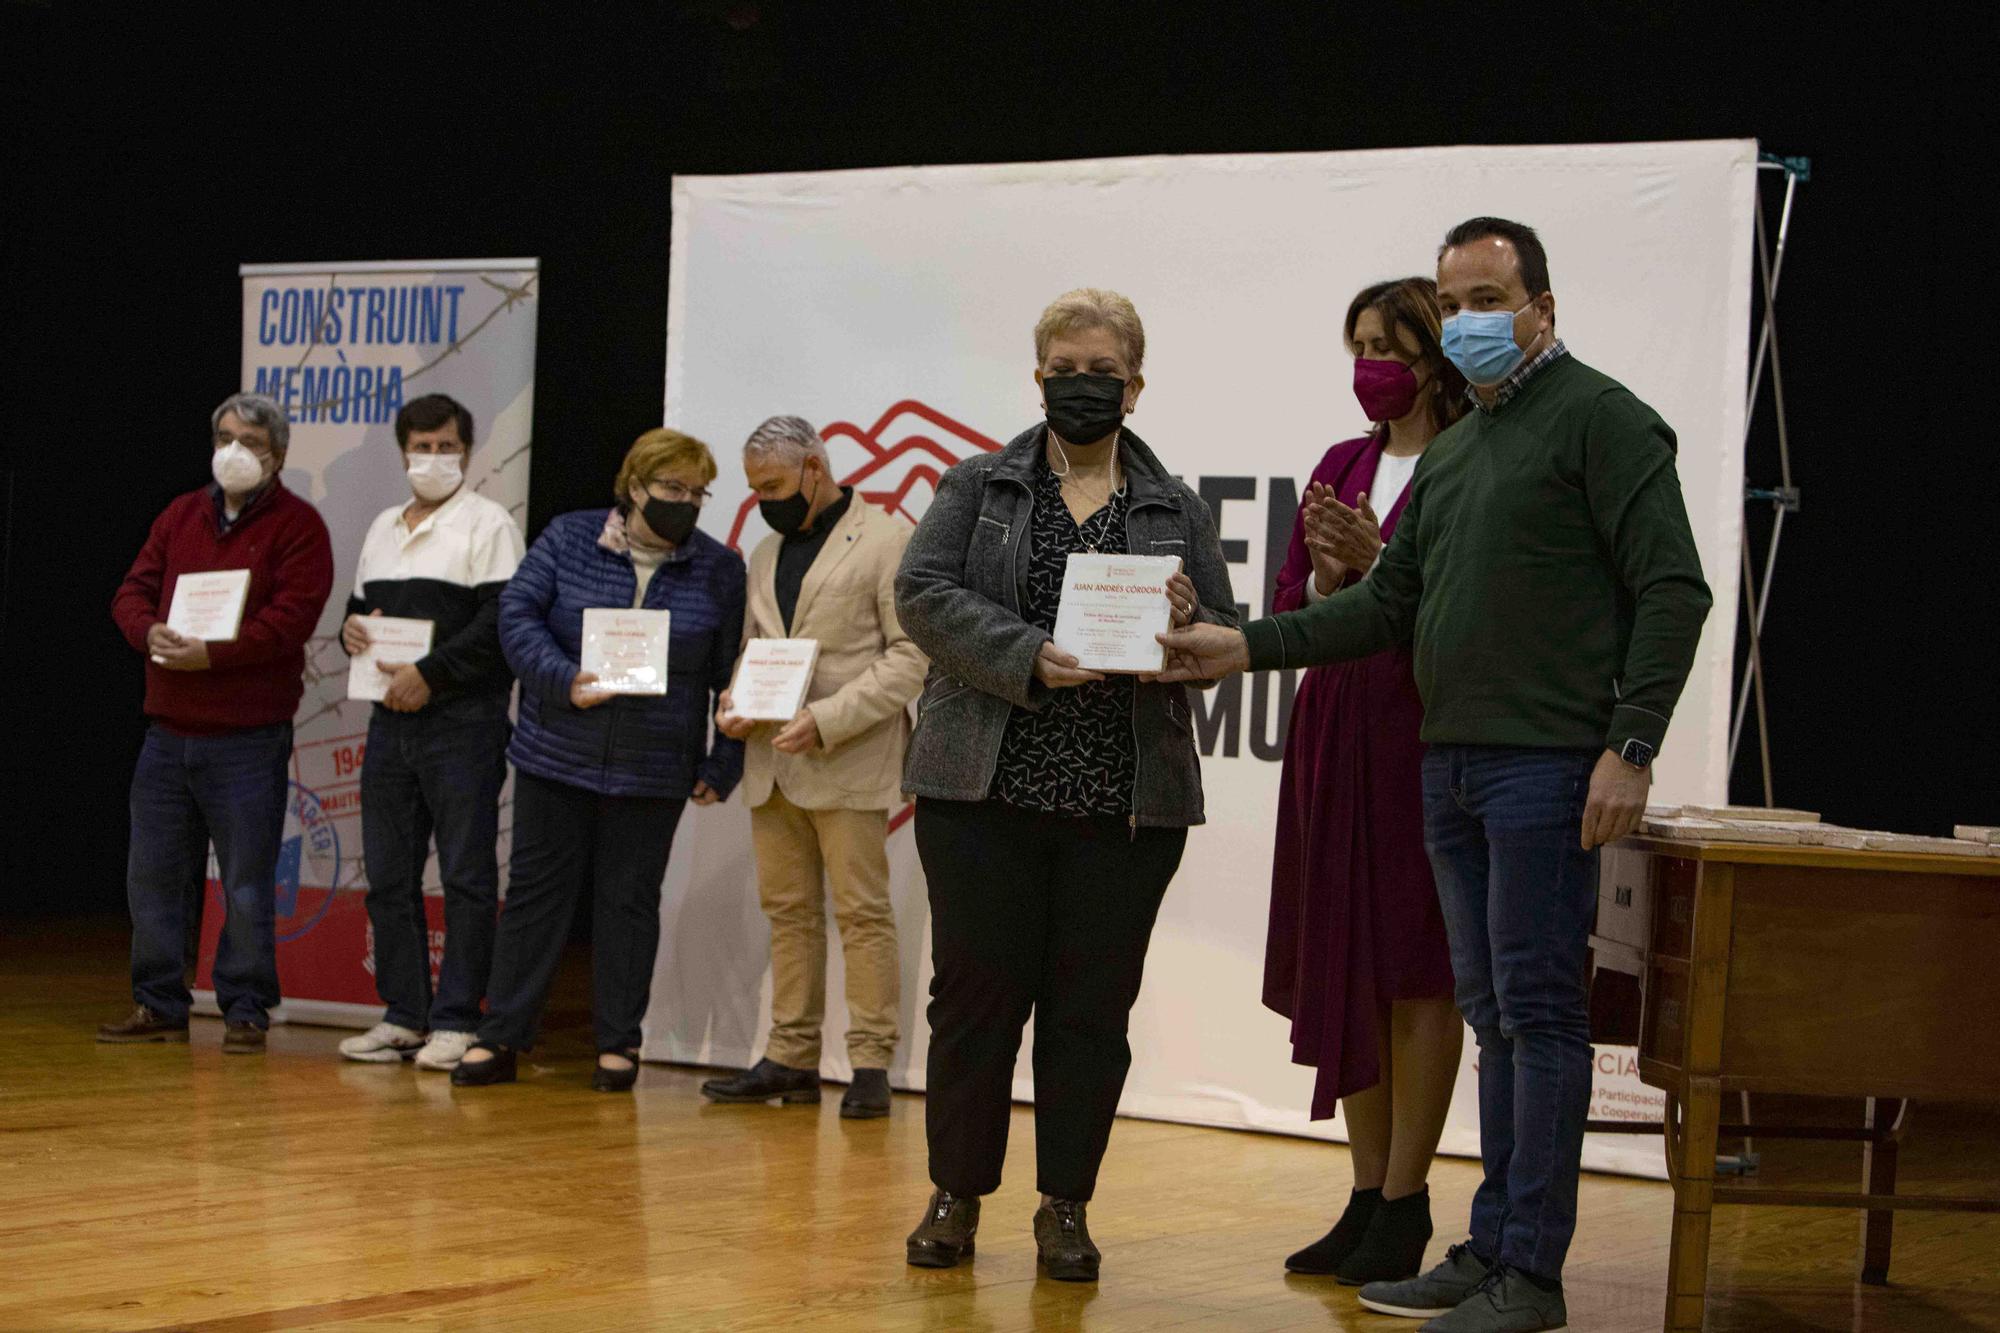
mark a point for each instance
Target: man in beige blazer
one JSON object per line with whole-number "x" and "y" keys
{"x": 821, "y": 786}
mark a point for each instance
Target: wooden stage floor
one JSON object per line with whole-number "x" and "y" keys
{"x": 165, "y": 1187}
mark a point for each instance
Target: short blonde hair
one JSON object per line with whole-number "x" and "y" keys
{"x": 1092, "y": 308}
{"x": 661, "y": 450}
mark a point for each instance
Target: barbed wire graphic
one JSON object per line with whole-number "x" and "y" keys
{"x": 510, "y": 296}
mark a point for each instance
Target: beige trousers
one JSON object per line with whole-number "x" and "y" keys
{"x": 797, "y": 851}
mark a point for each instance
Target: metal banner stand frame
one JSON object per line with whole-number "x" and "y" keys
{"x": 1784, "y": 497}
{"x": 1883, "y": 1119}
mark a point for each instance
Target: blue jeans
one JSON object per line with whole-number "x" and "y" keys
{"x": 435, "y": 773}
{"x": 189, "y": 791}
{"x": 1503, "y": 827}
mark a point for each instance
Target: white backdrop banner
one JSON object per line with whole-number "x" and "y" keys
{"x": 342, "y": 347}
{"x": 894, "y": 308}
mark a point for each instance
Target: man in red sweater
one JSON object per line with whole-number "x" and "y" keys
{"x": 214, "y": 768}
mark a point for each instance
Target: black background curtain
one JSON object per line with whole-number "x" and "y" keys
{"x": 150, "y": 149}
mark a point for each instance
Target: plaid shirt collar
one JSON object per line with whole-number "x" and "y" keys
{"x": 1513, "y": 383}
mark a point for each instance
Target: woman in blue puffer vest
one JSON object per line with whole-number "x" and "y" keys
{"x": 601, "y": 779}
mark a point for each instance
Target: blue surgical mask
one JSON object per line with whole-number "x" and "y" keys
{"x": 1481, "y": 344}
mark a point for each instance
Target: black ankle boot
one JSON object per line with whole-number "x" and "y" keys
{"x": 1330, "y": 1251}
{"x": 945, "y": 1235}
{"x": 1062, "y": 1242}
{"x": 1393, "y": 1249}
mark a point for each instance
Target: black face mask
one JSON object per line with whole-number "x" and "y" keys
{"x": 786, "y": 517}
{"x": 1083, "y": 409}
{"x": 672, "y": 521}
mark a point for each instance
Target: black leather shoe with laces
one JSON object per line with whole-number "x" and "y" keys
{"x": 766, "y": 1081}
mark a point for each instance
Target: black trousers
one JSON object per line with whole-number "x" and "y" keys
{"x": 1033, "y": 912}
{"x": 438, "y": 773}
{"x": 565, "y": 837}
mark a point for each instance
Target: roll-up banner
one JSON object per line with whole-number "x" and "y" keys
{"x": 894, "y": 309}
{"x": 342, "y": 347}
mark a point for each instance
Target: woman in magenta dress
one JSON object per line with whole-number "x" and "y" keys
{"x": 1356, "y": 955}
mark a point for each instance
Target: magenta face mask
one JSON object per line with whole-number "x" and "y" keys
{"x": 1387, "y": 389}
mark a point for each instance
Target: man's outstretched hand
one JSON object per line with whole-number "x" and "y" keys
{"x": 1203, "y": 652}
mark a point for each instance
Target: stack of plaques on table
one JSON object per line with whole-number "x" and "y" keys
{"x": 1730, "y": 823}
{"x": 1802, "y": 828}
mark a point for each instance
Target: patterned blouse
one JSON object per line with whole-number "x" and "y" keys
{"x": 1075, "y": 755}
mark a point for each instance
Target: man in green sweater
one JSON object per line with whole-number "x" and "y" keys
{"x": 1546, "y": 575}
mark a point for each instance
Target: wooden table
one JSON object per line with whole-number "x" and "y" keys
{"x": 1817, "y": 971}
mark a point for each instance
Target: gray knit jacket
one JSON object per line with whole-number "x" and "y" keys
{"x": 959, "y": 595}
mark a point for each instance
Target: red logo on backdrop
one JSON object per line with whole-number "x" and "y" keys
{"x": 907, "y": 450}
{"x": 901, "y": 474}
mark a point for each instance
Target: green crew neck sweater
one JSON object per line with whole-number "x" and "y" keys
{"x": 1544, "y": 569}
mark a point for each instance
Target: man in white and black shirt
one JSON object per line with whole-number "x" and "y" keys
{"x": 437, "y": 743}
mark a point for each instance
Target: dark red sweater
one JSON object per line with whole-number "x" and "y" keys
{"x": 258, "y": 678}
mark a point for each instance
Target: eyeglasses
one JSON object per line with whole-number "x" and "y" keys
{"x": 675, "y": 491}
{"x": 259, "y": 447}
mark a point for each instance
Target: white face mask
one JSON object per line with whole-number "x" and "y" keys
{"x": 435, "y": 476}
{"x": 236, "y": 469}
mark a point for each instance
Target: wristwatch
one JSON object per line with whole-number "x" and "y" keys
{"x": 1637, "y": 753}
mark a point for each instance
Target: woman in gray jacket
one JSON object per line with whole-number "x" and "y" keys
{"x": 1053, "y": 802}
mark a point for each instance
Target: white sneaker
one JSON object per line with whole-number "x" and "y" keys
{"x": 383, "y": 1044}
{"x": 445, "y": 1049}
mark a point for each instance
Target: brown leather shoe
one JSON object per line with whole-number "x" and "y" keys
{"x": 142, "y": 1024}
{"x": 243, "y": 1039}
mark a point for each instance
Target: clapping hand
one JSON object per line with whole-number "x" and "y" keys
{"x": 1339, "y": 535}
{"x": 1328, "y": 573}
